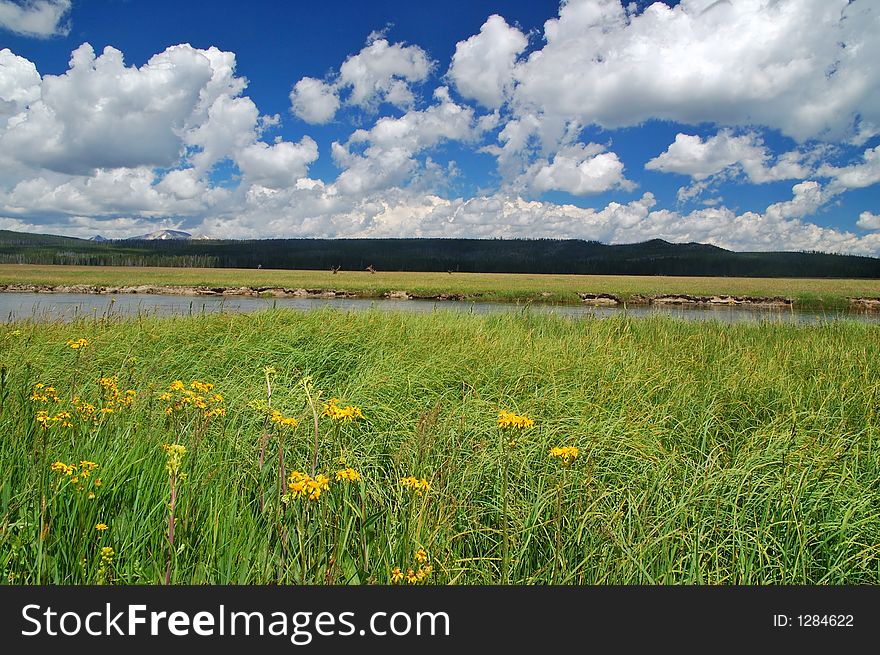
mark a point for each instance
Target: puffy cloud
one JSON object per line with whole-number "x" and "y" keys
{"x": 19, "y": 85}
{"x": 230, "y": 127}
{"x": 95, "y": 140}
{"x": 314, "y": 101}
{"x": 807, "y": 198}
{"x": 112, "y": 192}
{"x": 690, "y": 155}
{"x": 794, "y": 65}
{"x": 40, "y": 18}
{"x": 868, "y": 221}
{"x": 380, "y": 72}
{"x": 279, "y": 165}
{"x": 102, "y": 114}
{"x": 855, "y": 176}
{"x": 580, "y": 170}
{"x": 392, "y": 144}
{"x": 482, "y": 66}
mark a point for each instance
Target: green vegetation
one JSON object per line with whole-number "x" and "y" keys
{"x": 806, "y": 293}
{"x": 707, "y": 453}
{"x": 532, "y": 256}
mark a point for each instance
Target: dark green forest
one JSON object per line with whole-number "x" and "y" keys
{"x": 568, "y": 256}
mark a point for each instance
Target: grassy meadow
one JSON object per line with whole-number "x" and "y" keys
{"x": 705, "y": 453}
{"x": 806, "y": 293}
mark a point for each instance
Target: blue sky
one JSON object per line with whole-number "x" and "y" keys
{"x": 753, "y": 125}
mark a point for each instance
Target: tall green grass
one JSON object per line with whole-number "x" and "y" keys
{"x": 709, "y": 453}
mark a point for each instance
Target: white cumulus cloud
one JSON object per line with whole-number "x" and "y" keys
{"x": 691, "y": 155}
{"x": 854, "y": 176}
{"x": 580, "y": 170}
{"x": 40, "y": 18}
{"x": 482, "y": 66}
{"x": 869, "y": 221}
{"x": 392, "y": 143}
{"x": 794, "y": 65}
{"x": 380, "y": 72}
{"x": 314, "y": 101}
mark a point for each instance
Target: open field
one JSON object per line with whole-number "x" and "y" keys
{"x": 806, "y": 293}
{"x": 707, "y": 453}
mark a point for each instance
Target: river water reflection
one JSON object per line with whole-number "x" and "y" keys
{"x": 69, "y": 306}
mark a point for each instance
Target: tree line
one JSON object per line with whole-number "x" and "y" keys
{"x": 538, "y": 256}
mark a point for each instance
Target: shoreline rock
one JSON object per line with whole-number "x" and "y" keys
{"x": 599, "y": 299}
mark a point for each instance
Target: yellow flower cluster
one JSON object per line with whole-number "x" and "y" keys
{"x": 112, "y": 396}
{"x": 337, "y": 413}
{"x": 112, "y": 399}
{"x": 198, "y": 396}
{"x": 76, "y": 344}
{"x": 566, "y": 453}
{"x": 61, "y": 418}
{"x": 510, "y": 420}
{"x": 418, "y": 486}
{"x": 80, "y": 475}
{"x": 174, "y": 456}
{"x": 44, "y": 394}
{"x": 419, "y": 575}
{"x": 61, "y": 467}
{"x": 302, "y": 485}
{"x": 348, "y": 474}
{"x": 107, "y": 555}
{"x": 280, "y": 419}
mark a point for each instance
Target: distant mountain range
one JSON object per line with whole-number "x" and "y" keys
{"x": 159, "y": 235}
{"x": 556, "y": 256}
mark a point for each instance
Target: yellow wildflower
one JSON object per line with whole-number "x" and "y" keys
{"x": 418, "y": 486}
{"x": 348, "y": 474}
{"x": 421, "y": 556}
{"x": 175, "y": 453}
{"x": 396, "y": 575}
{"x": 566, "y": 453}
{"x": 61, "y": 467}
{"x": 411, "y": 576}
{"x": 100, "y": 527}
{"x": 510, "y": 420}
{"x": 302, "y": 485}
{"x": 285, "y": 421}
{"x": 76, "y": 344}
{"x": 423, "y": 572}
{"x": 346, "y": 414}
{"x": 107, "y": 555}
{"x": 44, "y": 394}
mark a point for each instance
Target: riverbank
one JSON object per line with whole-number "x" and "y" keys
{"x": 593, "y": 299}
{"x": 822, "y": 294}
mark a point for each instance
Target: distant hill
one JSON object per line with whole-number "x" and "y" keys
{"x": 559, "y": 256}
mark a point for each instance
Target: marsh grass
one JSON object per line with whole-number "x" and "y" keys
{"x": 827, "y": 293}
{"x": 709, "y": 453}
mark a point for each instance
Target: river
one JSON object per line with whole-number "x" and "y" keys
{"x": 69, "y": 306}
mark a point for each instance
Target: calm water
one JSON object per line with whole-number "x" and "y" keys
{"x": 68, "y": 306}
